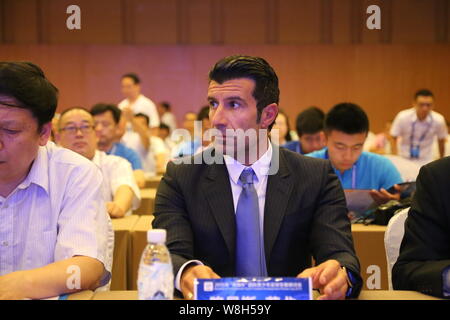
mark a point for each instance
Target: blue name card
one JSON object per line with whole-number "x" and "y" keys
{"x": 253, "y": 289}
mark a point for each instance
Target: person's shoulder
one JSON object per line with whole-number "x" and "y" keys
{"x": 145, "y": 100}
{"x": 438, "y": 117}
{"x": 291, "y": 145}
{"x": 124, "y": 150}
{"x": 122, "y": 104}
{"x": 405, "y": 114}
{"x": 440, "y": 166}
{"x": 320, "y": 154}
{"x": 375, "y": 160}
{"x": 65, "y": 162}
{"x": 65, "y": 157}
{"x": 296, "y": 159}
{"x": 113, "y": 160}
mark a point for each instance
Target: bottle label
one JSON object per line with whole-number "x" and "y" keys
{"x": 155, "y": 281}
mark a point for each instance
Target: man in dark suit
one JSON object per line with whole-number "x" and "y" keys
{"x": 424, "y": 261}
{"x": 257, "y": 210}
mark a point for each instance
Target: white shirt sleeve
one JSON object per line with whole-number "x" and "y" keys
{"x": 83, "y": 223}
{"x": 180, "y": 272}
{"x": 396, "y": 129}
{"x": 154, "y": 116}
{"x": 121, "y": 173}
{"x": 442, "y": 130}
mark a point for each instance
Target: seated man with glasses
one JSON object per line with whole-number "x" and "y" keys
{"x": 76, "y": 132}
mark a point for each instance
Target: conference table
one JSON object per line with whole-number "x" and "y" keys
{"x": 131, "y": 239}
{"x": 147, "y": 202}
{"x": 365, "y": 295}
{"x": 153, "y": 182}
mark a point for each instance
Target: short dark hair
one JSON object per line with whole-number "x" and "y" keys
{"x": 348, "y": 118}
{"x": 423, "y": 93}
{"x": 133, "y": 76}
{"x": 239, "y": 66}
{"x": 143, "y": 115}
{"x": 310, "y": 121}
{"x": 67, "y": 111}
{"x": 164, "y": 126}
{"x": 101, "y": 108}
{"x": 203, "y": 113}
{"x": 26, "y": 83}
{"x": 165, "y": 105}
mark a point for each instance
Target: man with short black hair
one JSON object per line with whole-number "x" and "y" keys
{"x": 137, "y": 102}
{"x": 150, "y": 148}
{"x": 106, "y": 122}
{"x": 346, "y": 128}
{"x": 414, "y": 130}
{"x": 259, "y": 210}
{"x": 53, "y": 219}
{"x": 309, "y": 126}
{"x": 166, "y": 116}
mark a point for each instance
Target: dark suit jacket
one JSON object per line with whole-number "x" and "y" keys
{"x": 425, "y": 249}
{"x": 305, "y": 213}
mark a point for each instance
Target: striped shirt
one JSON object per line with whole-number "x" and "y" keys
{"x": 56, "y": 213}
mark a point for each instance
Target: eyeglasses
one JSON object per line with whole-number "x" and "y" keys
{"x": 85, "y": 129}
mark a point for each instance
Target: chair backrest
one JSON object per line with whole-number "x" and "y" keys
{"x": 393, "y": 239}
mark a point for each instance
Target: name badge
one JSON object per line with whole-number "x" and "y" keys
{"x": 415, "y": 152}
{"x": 253, "y": 289}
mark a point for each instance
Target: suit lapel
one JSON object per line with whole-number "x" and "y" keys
{"x": 279, "y": 188}
{"x": 217, "y": 190}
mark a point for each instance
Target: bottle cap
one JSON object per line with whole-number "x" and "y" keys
{"x": 156, "y": 236}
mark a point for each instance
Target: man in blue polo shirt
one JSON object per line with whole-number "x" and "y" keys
{"x": 309, "y": 126}
{"x": 346, "y": 128}
{"x": 106, "y": 121}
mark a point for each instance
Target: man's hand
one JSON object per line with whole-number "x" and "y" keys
{"x": 384, "y": 196}
{"x": 12, "y": 286}
{"x": 194, "y": 272}
{"x": 329, "y": 278}
{"x": 114, "y": 210}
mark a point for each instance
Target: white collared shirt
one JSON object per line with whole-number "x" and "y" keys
{"x": 148, "y": 157}
{"x": 143, "y": 105}
{"x": 261, "y": 168}
{"x": 56, "y": 213}
{"x": 402, "y": 128}
{"x": 117, "y": 172}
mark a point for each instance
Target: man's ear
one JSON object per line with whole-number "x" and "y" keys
{"x": 268, "y": 115}
{"x": 45, "y": 133}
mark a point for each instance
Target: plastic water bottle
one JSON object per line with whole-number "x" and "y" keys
{"x": 155, "y": 277}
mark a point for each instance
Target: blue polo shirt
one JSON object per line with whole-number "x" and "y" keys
{"x": 373, "y": 171}
{"x": 121, "y": 150}
{"x": 293, "y": 146}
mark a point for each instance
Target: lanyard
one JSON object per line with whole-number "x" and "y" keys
{"x": 353, "y": 172}
{"x": 423, "y": 135}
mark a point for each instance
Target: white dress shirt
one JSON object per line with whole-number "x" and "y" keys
{"x": 143, "y": 105}
{"x": 56, "y": 213}
{"x": 261, "y": 168}
{"x": 117, "y": 172}
{"x": 168, "y": 119}
{"x": 402, "y": 128}
{"x": 148, "y": 157}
